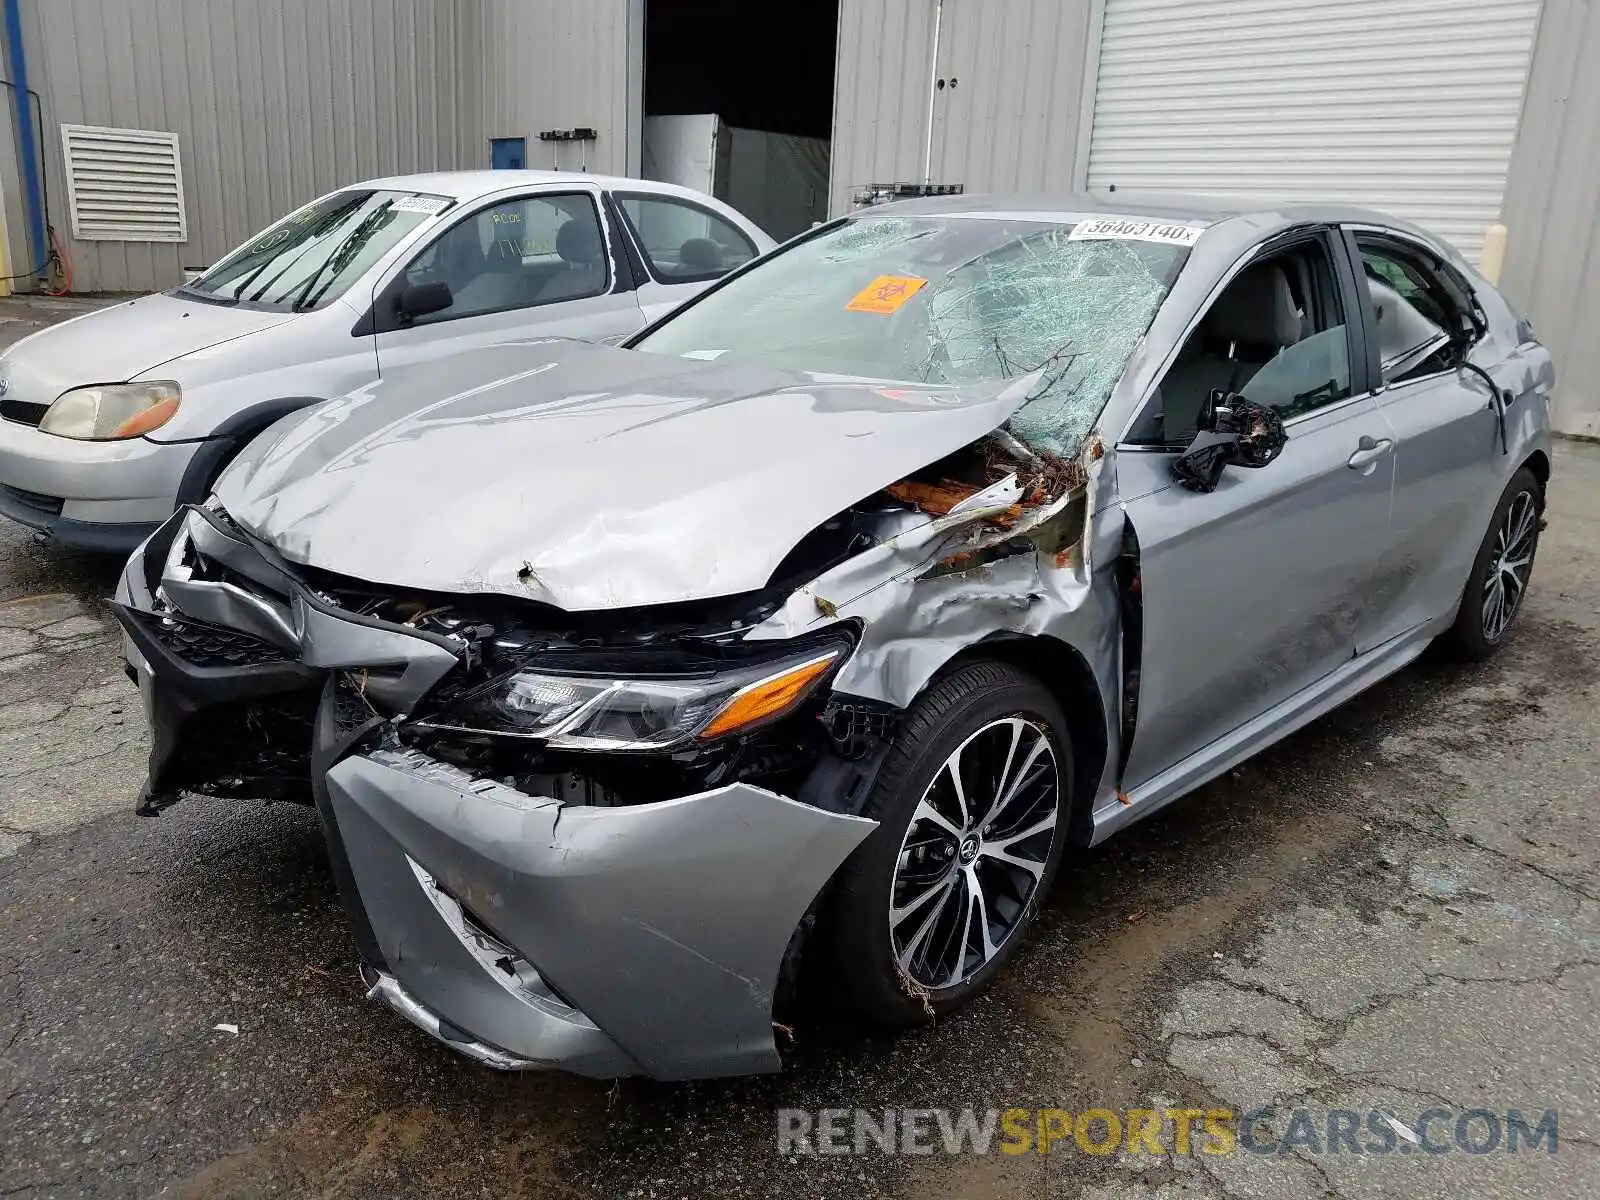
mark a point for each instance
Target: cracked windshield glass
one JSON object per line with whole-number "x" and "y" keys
{"x": 958, "y": 301}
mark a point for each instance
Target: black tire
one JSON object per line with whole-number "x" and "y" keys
{"x": 1474, "y": 636}
{"x": 955, "y": 711}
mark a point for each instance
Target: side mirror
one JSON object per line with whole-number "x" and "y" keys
{"x": 1232, "y": 431}
{"x": 420, "y": 299}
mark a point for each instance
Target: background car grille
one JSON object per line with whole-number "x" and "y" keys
{"x": 209, "y": 645}
{"x": 28, "y": 412}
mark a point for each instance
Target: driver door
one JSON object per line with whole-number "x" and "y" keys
{"x": 1254, "y": 592}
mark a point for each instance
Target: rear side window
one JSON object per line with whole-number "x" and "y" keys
{"x": 1414, "y": 308}
{"x": 682, "y": 241}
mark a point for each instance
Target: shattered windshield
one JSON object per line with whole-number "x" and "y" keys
{"x": 311, "y": 256}
{"x": 950, "y": 300}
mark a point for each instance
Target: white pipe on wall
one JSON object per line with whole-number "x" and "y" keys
{"x": 933, "y": 87}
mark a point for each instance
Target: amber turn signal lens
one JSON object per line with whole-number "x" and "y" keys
{"x": 767, "y": 698}
{"x": 140, "y": 423}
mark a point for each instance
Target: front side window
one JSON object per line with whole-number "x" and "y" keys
{"x": 944, "y": 300}
{"x": 309, "y": 258}
{"x": 1413, "y": 310}
{"x": 683, "y": 242}
{"x": 516, "y": 254}
{"x": 1277, "y": 335}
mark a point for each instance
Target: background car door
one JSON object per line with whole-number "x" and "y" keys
{"x": 683, "y": 247}
{"x": 534, "y": 265}
{"x": 1446, "y": 431}
{"x": 1253, "y": 592}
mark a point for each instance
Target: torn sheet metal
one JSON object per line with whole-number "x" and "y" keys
{"x": 684, "y": 984}
{"x": 915, "y": 619}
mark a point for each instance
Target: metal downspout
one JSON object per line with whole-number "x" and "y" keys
{"x": 933, "y": 87}
{"x": 29, "y": 152}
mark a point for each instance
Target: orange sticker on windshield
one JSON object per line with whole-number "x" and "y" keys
{"x": 886, "y": 294}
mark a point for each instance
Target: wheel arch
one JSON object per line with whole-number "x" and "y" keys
{"x": 229, "y": 437}
{"x": 1061, "y": 668}
{"x": 1539, "y": 463}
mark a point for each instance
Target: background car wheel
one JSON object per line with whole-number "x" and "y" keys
{"x": 972, "y": 805}
{"x": 1501, "y": 571}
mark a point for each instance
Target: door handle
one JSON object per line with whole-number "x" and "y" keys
{"x": 1368, "y": 451}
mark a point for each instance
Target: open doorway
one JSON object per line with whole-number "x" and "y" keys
{"x": 730, "y": 112}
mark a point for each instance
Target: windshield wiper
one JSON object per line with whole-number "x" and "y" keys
{"x": 341, "y": 258}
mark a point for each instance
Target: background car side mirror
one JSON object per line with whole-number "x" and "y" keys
{"x": 420, "y": 299}
{"x": 1232, "y": 431}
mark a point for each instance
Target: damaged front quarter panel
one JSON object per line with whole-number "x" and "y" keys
{"x": 988, "y": 568}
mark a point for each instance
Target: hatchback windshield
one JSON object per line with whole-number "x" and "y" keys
{"x": 310, "y": 257}
{"x": 948, "y": 300}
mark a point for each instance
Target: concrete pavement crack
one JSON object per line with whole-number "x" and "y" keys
{"x": 70, "y": 762}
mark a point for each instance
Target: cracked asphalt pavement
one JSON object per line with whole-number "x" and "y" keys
{"x": 1397, "y": 908}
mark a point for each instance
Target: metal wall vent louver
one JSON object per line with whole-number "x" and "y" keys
{"x": 124, "y": 185}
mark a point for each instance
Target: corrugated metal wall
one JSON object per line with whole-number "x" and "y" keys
{"x": 1008, "y": 117}
{"x": 274, "y": 102}
{"x": 562, "y": 64}
{"x": 1301, "y": 100}
{"x": 1552, "y": 207}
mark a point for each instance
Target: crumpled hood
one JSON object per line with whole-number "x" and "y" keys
{"x": 120, "y": 343}
{"x": 584, "y": 476}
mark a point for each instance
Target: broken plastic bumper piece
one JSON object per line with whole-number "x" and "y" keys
{"x": 642, "y": 939}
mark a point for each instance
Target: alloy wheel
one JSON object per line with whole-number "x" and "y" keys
{"x": 975, "y": 852}
{"x": 1510, "y": 565}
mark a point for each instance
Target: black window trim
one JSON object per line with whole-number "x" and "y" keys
{"x": 380, "y": 316}
{"x": 622, "y": 194}
{"x": 1355, "y": 330}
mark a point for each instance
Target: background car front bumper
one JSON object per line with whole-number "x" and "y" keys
{"x": 93, "y": 495}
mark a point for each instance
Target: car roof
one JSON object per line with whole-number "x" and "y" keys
{"x": 468, "y": 185}
{"x": 1171, "y": 206}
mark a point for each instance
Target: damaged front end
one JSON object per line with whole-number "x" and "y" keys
{"x": 514, "y": 797}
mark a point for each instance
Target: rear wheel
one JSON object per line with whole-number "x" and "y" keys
{"x": 972, "y": 807}
{"x": 1500, "y": 572}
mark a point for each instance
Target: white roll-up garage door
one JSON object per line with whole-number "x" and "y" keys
{"x": 1409, "y": 106}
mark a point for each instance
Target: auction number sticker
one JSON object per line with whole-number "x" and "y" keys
{"x": 432, "y": 205}
{"x": 886, "y": 294}
{"x": 1107, "y": 229}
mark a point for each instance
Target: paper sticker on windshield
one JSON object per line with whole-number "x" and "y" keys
{"x": 432, "y": 205}
{"x": 886, "y": 294}
{"x": 1107, "y": 229}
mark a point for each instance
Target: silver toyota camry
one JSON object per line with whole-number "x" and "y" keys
{"x": 803, "y": 634}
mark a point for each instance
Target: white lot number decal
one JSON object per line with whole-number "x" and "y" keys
{"x": 432, "y": 205}
{"x": 1105, "y": 229}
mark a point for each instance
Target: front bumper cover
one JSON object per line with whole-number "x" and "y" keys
{"x": 521, "y": 931}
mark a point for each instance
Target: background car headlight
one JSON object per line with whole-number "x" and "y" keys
{"x": 112, "y": 411}
{"x": 581, "y": 712}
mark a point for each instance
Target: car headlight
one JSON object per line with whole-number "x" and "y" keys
{"x": 585, "y": 712}
{"x": 112, "y": 411}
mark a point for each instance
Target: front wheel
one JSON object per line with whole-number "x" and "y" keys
{"x": 1500, "y": 572}
{"x": 972, "y": 806}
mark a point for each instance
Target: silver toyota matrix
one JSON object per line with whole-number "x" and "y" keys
{"x": 803, "y": 633}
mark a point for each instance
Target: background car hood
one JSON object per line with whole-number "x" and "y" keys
{"x": 584, "y": 476}
{"x": 116, "y": 344}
